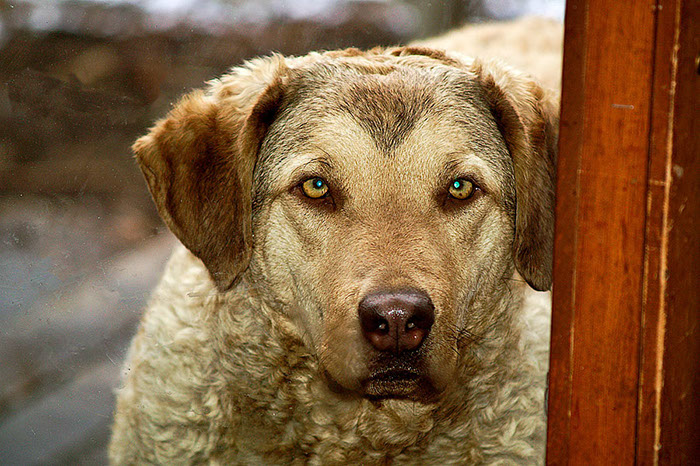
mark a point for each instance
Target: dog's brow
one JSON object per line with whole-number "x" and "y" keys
{"x": 455, "y": 160}
{"x": 467, "y": 163}
{"x": 322, "y": 160}
{"x": 308, "y": 165}
{"x": 315, "y": 162}
{"x": 454, "y": 163}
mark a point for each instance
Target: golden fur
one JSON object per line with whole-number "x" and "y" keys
{"x": 251, "y": 350}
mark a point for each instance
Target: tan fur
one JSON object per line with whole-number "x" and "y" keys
{"x": 251, "y": 350}
{"x": 530, "y": 44}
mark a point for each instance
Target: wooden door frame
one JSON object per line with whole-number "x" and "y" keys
{"x": 625, "y": 359}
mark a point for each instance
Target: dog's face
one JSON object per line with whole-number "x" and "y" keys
{"x": 397, "y": 186}
{"x": 382, "y": 202}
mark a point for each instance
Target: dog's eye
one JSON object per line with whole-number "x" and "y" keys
{"x": 315, "y": 188}
{"x": 462, "y": 189}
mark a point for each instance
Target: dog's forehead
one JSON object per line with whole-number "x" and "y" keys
{"x": 385, "y": 116}
{"x": 387, "y": 107}
{"x": 387, "y": 100}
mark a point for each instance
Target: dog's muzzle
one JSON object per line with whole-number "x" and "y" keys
{"x": 396, "y": 323}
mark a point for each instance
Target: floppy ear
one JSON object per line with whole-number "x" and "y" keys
{"x": 528, "y": 118}
{"x": 198, "y": 162}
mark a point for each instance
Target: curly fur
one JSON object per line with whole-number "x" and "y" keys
{"x": 249, "y": 351}
{"x": 232, "y": 382}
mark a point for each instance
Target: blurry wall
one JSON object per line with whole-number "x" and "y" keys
{"x": 80, "y": 242}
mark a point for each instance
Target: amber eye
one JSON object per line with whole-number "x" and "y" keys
{"x": 462, "y": 189}
{"x": 315, "y": 188}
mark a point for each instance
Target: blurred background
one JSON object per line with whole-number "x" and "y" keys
{"x": 80, "y": 242}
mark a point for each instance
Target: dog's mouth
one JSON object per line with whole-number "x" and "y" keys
{"x": 392, "y": 384}
{"x": 401, "y": 381}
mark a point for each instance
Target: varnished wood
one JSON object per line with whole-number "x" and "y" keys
{"x": 624, "y": 359}
{"x": 571, "y": 128}
{"x": 679, "y": 437}
{"x": 653, "y": 316}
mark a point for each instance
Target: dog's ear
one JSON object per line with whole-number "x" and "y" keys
{"x": 527, "y": 116}
{"x": 198, "y": 162}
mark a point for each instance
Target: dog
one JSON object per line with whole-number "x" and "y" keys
{"x": 361, "y": 233}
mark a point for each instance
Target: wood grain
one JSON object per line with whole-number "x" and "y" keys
{"x": 653, "y": 314}
{"x": 570, "y": 142}
{"x": 679, "y": 423}
{"x": 625, "y": 359}
{"x": 611, "y": 233}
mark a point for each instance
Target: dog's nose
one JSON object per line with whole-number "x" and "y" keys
{"x": 398, "y": 320}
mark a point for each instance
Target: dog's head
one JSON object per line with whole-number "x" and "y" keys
{"x": 381, "y": 200}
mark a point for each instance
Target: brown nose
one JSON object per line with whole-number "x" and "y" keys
{"x": 398, "y": 320}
